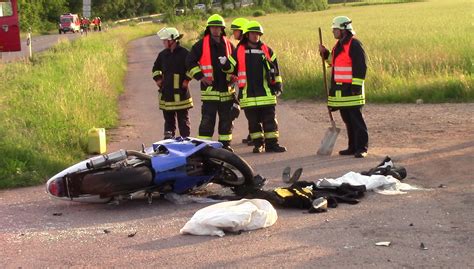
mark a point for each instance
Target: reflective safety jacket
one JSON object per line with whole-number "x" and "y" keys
{"x": 349, "y": 68}
{"x": 258, "y": 74}
{"x": 170, "y": 67}
{"x": 203, "y": 61}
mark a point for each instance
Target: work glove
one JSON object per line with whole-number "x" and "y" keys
{"x": 277, "y": 89}
{"x": 235, "y": 111}
{"x": 222, "y": 59}
{"x": 159, "y": 83}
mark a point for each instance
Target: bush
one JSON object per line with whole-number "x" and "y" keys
{"x": 258, "y": 13}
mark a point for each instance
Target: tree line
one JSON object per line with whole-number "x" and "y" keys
{"x": 43, "y": 15}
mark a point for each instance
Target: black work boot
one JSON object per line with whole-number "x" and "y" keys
{"x": 346, "y": 152}
{"x": 258, "y": 149}
{"x": 168, "y": 135}
{"x": 274, "y": 147}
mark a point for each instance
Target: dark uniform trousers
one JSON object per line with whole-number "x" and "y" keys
{"x": 262, "y": 119}
{"x": 184, "y": 124}
{"x": 209, "y": 109}
{"x": 356, "y": 128}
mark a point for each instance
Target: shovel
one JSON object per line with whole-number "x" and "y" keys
{"x": 329, "y": 140}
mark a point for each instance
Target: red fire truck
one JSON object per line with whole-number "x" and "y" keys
{"x": 9, "y": 26}
{"x": 69, "y": 23}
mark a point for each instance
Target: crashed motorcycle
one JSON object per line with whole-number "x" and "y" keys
{"x": 178, "y": 165}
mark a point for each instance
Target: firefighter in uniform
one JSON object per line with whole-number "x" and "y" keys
{"x": 169, "y": 73}
{"x": 237, "y": 28}
{"x": 216, "y": 93}
{"x": 259, "y": 82}
{"x": 346, "y": 94}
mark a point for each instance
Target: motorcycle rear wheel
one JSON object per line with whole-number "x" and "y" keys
{"x": 116, "y": 180}
{"x": 234, "y": 171}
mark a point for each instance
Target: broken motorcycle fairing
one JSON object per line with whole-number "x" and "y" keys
{"x": 178, "y": 165}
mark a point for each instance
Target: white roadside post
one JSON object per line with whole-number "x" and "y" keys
{"x": 28, "y": 43}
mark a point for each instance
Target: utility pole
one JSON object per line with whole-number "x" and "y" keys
{"x": 86, "y": 8}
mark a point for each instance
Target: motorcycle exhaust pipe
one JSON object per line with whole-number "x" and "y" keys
{"x": 106, "y": 159}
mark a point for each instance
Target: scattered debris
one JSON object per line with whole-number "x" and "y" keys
{"x": 132, "y": 234}
{"x": 57, "y": 214}
{"x": 422, "y": 246}
{"x": 383, "y": 243}
{"x": 442, "y": 186}
{"x": 286, "y": 174}
{"x": 106, "y": 231}
{"x": 411, "y": 224}
{"x": 319, "y": 205}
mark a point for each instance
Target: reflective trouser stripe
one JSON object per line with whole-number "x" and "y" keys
{"x": 272, "y": 135}
{"x": 256, "y": 135}
{"x": 204, "y": 137}
{"x": 227, "y": 137}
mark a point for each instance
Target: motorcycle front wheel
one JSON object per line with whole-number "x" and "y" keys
{"x": 230, "y": 169}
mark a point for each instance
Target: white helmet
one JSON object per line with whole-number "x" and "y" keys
{"x": 343, "y": 23}
{"x": 169, "y": 33}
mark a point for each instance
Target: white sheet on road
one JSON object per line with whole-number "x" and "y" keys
{"x": 381, "y": 184}
{"x": 233, "y": 216}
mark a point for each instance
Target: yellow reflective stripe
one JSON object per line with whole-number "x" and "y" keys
{"x": 157, "y": 73}
{"x": 188, "y": 103}
{"x": 177, "y": 97}
{"x": 272, "y": 135}
{"x": 258, "y": 101}
{"x": 278, "y": 79}
{"x": 256, "y": 135}
{"x": 358, "y": 81}
{"x": 194, "y": 71}
{"x": 230, "y": 70}
{"x": 204, "y": 137}
{"x": 343, "y": 101}
{"x": 176, "y": 81}
{"x": 346, "y": 104}
{"x": 232, "y": 60}
{"x": 210, "y": 98}
{"x": 206, "y": 67}
{"x": 273, "y": 58}
{"x": 283, "y": 192}
{"x": 225, "y": 137}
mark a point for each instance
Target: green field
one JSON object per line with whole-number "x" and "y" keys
{"x": 415, "y": 50}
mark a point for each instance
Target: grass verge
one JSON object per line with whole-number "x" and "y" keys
{"x": 48, "y": 105}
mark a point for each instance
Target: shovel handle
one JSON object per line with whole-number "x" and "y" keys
{"x": 333, "y": 123}
{"x": 324, "y": 64}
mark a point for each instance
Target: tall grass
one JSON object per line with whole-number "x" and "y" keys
{"x": 47, "y": 106}
{"x": 415, "y": 50}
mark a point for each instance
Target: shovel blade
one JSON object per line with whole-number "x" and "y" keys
{"x": 329, "y": 140}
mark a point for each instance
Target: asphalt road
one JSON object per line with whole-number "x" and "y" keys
{"x": 37, "y": 231}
